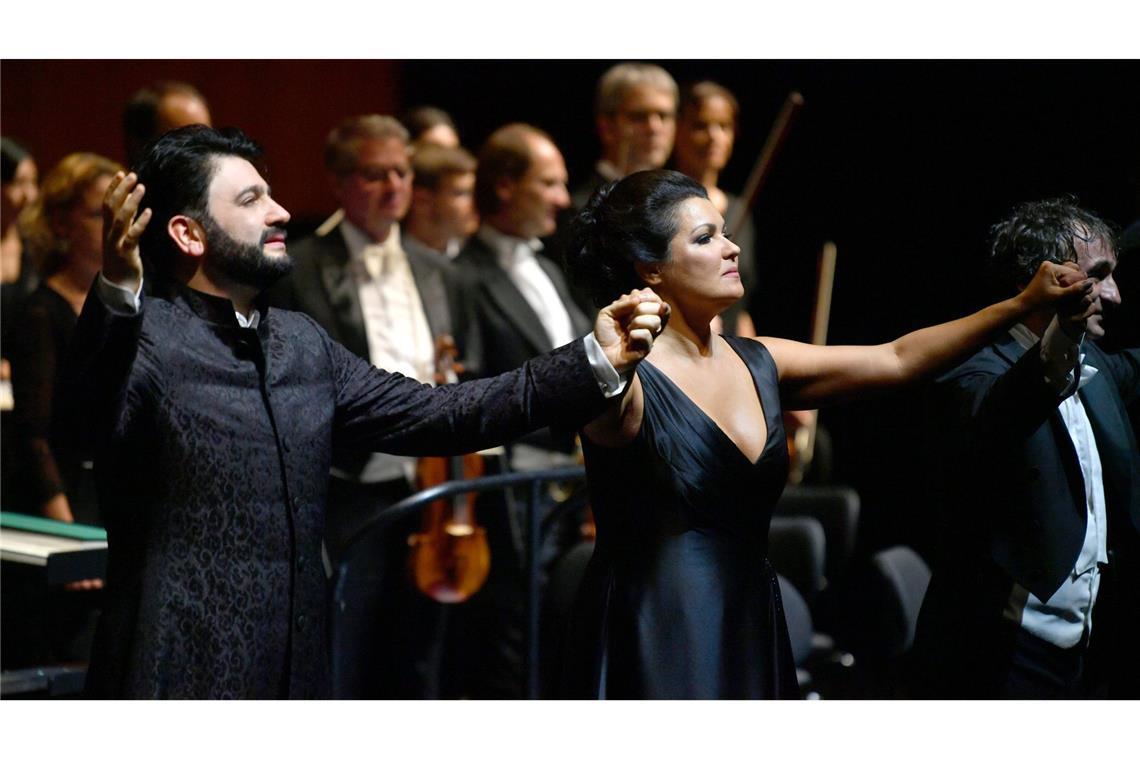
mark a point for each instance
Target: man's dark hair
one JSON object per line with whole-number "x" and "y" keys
{"x": 176, "y": 170}
{"x": 1040, "y": 231}
{"x": 140, "y": 115}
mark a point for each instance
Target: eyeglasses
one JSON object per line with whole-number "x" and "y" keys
{"x": 380, "y": 173}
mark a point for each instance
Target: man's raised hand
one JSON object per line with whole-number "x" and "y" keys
{"x": 121, "y": 231}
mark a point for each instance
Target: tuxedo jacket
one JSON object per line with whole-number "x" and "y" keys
{"x": 322, "y": 285}
{"x": 1013, "y": 507}
{"x": 505, "y": 325}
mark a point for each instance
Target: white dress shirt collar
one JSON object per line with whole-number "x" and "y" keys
{"x": 361, "y": 246}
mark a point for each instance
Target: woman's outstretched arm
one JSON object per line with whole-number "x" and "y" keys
{"x": 812, "y": 376}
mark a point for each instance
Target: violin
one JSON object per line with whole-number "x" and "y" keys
{"x": 449, "y": 558}
{"x": 801, "y": 425}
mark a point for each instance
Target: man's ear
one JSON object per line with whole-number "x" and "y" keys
{"x": 650, "y": 274}
{"x": 187, "y": 234}
{"x": 504, "y": 190}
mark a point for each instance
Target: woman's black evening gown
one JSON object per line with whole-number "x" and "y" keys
{"x": 679, "y": 600}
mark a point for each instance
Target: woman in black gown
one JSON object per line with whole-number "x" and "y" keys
{"x": 679, "y": 599}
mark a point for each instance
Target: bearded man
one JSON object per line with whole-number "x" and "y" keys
{"x": 211, "y": 418}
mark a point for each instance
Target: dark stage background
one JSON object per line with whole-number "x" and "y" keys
{"x": 903, "y": 164}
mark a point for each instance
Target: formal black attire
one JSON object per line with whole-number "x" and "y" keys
{"x": 679, "y": 599}
{"x": 323, "y": 286}
{"x": 1014, "y": 512}
{"x": 505, "y": 326}
{"x": 388, "y": 648}
{"x": 38, "y": 345}
{"x": 213, "y": 444}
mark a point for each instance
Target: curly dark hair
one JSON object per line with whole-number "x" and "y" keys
{"x": 176, "y": 170}
{"x": 625, "y": 223}
{"x": 1040, "y": 231}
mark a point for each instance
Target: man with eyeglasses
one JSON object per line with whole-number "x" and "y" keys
{"x": 384, "y": 302}
{"x": 635, "y": 112}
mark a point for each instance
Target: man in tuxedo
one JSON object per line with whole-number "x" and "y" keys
{"x": 1035, "y": 588}
{"x": 394, "y": 305}
{"x": 635, "y": 113}
{"x": 522, "y": 304}
{"x": 387, "y": 303}
{"x": 442, "y": 215}
{"x": 522, "y": 308}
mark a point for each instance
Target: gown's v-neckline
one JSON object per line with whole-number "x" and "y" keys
{"x": 713, "y": 423}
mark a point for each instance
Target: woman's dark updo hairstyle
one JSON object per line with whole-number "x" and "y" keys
{"x": 624, "y": 223}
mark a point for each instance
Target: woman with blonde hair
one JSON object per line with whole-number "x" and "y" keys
{"x": 63, "y": 228}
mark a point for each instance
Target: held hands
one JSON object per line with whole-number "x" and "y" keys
{"x": 626, "y": 328}
{"x": 1064, "y": 288}
{"x": 1073, "y": 312}
{"x": 1056, "y": 286}
{"x": 121, "y": 231}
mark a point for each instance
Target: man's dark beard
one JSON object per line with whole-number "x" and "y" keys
{"x": 244, "y": 263}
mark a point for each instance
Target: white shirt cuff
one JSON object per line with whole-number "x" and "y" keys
{"x": 117, "y": 298}
{"x": 1062, "y": 358}
{"x": 609, "y": 381}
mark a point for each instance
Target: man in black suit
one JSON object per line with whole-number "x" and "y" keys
{"x": 393, "y": 305}
{"x": 386, "y": 303}
{"x": 442, "y": 215}
{"x": 522, "y": 307}
{"x": 212, "y": 418}
{"x": 1035, "y": 589}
